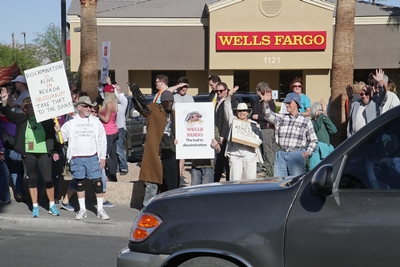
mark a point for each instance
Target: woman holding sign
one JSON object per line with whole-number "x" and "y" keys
{"x": 243, "y": 153}
{"x": 35, "y": 141}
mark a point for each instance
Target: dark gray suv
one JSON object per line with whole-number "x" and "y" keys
{"x": 135, "y": 127}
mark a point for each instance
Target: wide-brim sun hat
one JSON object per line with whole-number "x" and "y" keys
{"x": 85, "y": 100}
{"x": 243, "y": 106}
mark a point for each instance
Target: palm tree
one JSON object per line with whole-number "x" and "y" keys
{"x": 342, "y": 65}
{"x": 89, "y": 64}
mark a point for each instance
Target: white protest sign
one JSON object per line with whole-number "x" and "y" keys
{"x": 49, "y": 91}
{"x": 242, "y": 133}
{"x": 194, "y": 129}
{"x": 275, "y": 94}
{"x": 105, "y": 62}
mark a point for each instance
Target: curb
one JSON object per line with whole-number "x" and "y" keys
{"x": 119, "y": 224}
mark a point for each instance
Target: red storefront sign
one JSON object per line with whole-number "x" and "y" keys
{"x": 271, "y": 41}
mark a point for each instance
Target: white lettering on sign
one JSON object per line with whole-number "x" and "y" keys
{"x": 272, "y": 60}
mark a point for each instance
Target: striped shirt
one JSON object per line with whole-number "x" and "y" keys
{"x": 293, "y": 132}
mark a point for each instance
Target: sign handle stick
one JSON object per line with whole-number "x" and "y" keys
{"x": 59, "y": 133}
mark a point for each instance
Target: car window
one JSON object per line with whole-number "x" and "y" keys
{"x": 375, "y": 164}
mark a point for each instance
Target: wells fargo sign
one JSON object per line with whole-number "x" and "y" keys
{"x": 271, "y": 41}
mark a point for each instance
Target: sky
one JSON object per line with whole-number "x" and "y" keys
{"x": 34, "y": 15}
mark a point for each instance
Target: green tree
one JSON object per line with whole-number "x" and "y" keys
{"x": 49, "y": 49}
{"x": 49, "y": 43}
{"x": 25, "y": 56}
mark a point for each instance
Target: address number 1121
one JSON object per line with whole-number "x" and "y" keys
{"x": 272, "y": 60}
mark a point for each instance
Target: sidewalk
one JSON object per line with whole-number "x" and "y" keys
{"x": 18, "y": 216}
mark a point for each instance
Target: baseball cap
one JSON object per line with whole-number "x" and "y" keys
{"x": 108, "y": 89}
{"x": 20, "y": 78}
{"x": 167, "y": 96}
{"x": 293, "y": 97}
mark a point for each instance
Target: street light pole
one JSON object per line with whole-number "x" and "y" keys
{"x": 24, "y": 34}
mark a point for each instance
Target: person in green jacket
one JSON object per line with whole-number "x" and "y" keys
{"x": 323, "y": 127}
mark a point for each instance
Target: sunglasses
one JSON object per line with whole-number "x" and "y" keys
{"x": 85, "y": 106}
{"x": 242, "y": 111}
{"x": 219, "y": 91}
{"x": 297, "y": 86}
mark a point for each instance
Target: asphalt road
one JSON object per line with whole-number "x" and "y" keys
{"x": 39, "y": 249}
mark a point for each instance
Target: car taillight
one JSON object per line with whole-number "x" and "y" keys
{"x": 144, "y": 225}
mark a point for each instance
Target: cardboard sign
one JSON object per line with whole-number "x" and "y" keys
{"x": 49, "y": 91}
{"x": 105, "y": 62}
{"x": 275, "y": 94}
{"x": 194, "y": 129}
{"x": 243, "y": 134}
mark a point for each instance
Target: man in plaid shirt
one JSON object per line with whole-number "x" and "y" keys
{"x": 294, "y": 135}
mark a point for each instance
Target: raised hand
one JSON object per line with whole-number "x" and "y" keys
{"x": 233, "y": 90}
{"x": 379, "y": 76}
{"x": 349, "y": 91}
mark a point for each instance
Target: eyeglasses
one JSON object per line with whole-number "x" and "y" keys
{"x": 297, "y": 86}
{"x": 219, "y": 91}
{"x": 85, "y": 106}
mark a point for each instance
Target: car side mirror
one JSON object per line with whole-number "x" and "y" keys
{"x": 322, "y": 180}
{"x": 134, "y": 113}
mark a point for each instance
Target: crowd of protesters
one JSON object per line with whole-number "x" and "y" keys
{"x": 289, "y": 141}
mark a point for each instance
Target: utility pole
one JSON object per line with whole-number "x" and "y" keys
{"x": 63, "y": 32}
{"x": 24, "y": 34}
{"x": 13, "y": 45}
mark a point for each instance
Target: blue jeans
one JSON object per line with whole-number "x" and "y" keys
{"x": 202, "y": 176}
{"x": 16, "y": 169}
{"x": 122, "y": 162}
{"x": 85, "y": 167}
{"x": 289, "y": 163}
{"x": 4, "y": 182}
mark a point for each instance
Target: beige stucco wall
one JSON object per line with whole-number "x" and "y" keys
{"x": 317, "y": 85}
{"x": 246, "y": 16}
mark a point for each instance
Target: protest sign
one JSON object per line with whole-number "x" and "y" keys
{"x": 49, "y": 91}
{"x": 243, "y": 134}
{"x": 105, "y": 62}
{"x": 194, "y": 129}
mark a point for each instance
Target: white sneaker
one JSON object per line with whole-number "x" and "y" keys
{"x": 101, "y": 214}
{"x": 80, "y": 215}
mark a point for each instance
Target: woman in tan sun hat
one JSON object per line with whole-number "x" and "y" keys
{"x": 242, "y": 158}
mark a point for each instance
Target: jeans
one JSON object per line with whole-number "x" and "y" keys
{"x": 289, "y": 163}
{"x": 240, "y": 164}
{"x": 16, "y": 169}
{"x": 4, "y": 182}
{"x": 202, "y": 175}
{"x": 150, "y": 192}
{"x": 122, "y": 162}
{"x": 85, "y": 167}
{"x": 112, "y": 160}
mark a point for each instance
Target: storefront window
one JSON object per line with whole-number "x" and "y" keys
{"x": 241, "y": 78}
{"x": 285, "y": 77}
{"x": 173, "y": 76}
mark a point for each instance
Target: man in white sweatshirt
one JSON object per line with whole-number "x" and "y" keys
{"x": 86, "y": 153}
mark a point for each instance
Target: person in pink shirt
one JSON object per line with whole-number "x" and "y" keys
{"x": 108, "y": 117}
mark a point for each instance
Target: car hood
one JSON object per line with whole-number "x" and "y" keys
{"x": 270, "y": 183}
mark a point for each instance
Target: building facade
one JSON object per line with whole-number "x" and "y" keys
{"x": 243, "y": 41}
